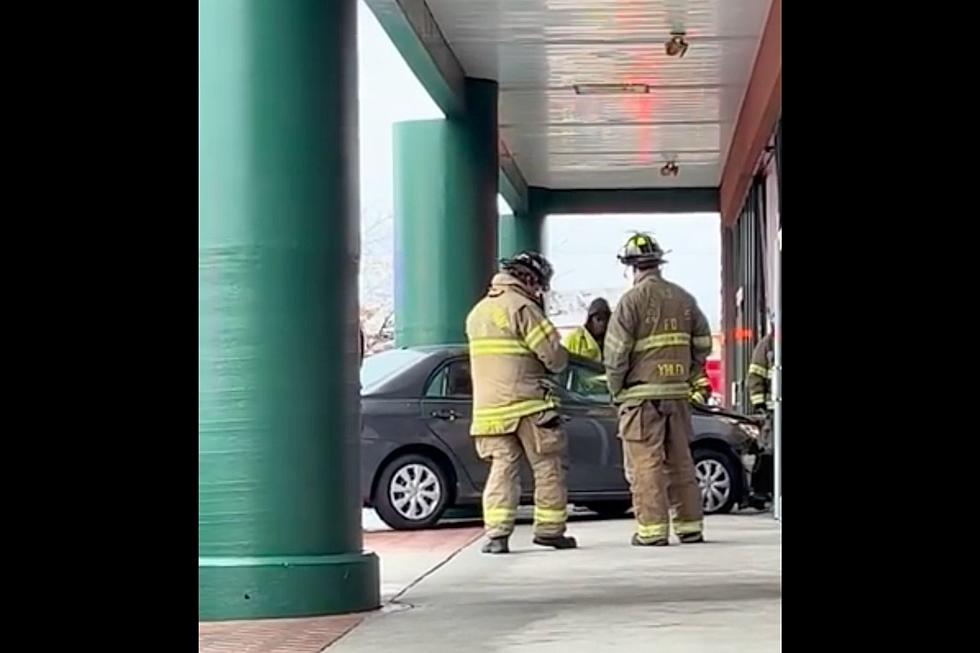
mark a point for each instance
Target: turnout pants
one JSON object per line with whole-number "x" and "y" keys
{"x": 544, "y": 446}
{"x": 656, "y": 437}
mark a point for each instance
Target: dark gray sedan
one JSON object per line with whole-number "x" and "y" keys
{"x": 418, "y": 458}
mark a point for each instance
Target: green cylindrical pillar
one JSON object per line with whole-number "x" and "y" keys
{"x": 445, "y": 218}
{"x": 521, "y": 232}
{"x": 279, "y": 530}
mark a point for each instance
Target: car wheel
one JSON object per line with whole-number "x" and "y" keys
{"x": 715, "y": 472}
{"x": 411, "y": 493}
{"x": 609, "y": 508}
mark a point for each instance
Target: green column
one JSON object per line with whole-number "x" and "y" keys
{"x": 278, "y": 500}
{"x": 445, "y": 218}
{"x": 521, "y": 232}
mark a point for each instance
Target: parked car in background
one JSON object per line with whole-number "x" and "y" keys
{"x": 418, "y": 458}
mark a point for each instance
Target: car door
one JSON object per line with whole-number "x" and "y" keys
{"x": 592, "y": 427}
{"x": 447, "y": 409}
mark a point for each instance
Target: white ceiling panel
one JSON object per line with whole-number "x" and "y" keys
{"x": 669, "y": 105}
{"x": 538, "y": 50}
{"x": 695, "y": 176}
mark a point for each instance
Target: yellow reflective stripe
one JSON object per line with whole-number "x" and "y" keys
{"x": 758, "y": 399}
{"x": 698, "y": 397}
{"x": 771, "y": 372}
{"x": 758, "y": 370}
{"x": 550, "y": 515}
{"x": 654, "y": 391}
{"x": 500, "y": 420}
{"x": 481, "y": 427}
{"x": 702, "y": 382}
{"x": 612, "y": 342}
{"x": 688, "y": 527}
{"x": 499, "y": 516}
{"x": 702, "y": 342}
{"x": 536, "y": 335}
{"x": 491, "y": 346}
{"x": 663, "y": 340}
{"x": 652, "y": 531}
{"x": 517, "y": 409}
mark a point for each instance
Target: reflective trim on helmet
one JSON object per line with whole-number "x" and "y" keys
{"x": 676, "y": 339}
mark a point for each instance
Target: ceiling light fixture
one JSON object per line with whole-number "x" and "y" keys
{"x": 611, "y": 89}
{"x": 677, "y": 45}
{"x": 670, "y": 169}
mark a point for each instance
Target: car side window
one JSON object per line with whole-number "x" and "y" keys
{"x": 452, "y": 381}
{"x": 437, "y": 384}
{"x": 588, "y": 385}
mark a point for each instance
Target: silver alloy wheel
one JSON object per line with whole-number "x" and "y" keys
{"x": 415, "y": 491}
{"x": 715, "y": 483}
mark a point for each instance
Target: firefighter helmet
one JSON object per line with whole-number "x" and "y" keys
{"x": 641, "y": 249}
{"x": 533, "y": 263}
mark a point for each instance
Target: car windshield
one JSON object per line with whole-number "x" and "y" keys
{"x": 383, "y": 366}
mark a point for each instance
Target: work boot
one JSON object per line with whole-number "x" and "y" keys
{"x": 758, "y": 502}
{"x": 636, "y": 541}
{"x": 556, "y": 541}
{"x": 496, "y": 545}
{"x": 691, "y": 538}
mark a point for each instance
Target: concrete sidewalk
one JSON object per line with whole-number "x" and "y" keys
{"x": 604, "y": 596}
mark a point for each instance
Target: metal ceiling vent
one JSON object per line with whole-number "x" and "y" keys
{"x": 677, "y": 45}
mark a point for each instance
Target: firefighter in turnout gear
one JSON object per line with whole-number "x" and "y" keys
{"x": 587, "y": 341}
{"x": 656, "y": 346}
{"x": 513, "y": 350}
{"x": 760, "y": 376}
{"x": 759, "y": 382}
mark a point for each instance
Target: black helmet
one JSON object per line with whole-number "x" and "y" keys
{"x": 641, "y": 249}
{"x": 531, "y": 263}
{"x": 598, "y": 307}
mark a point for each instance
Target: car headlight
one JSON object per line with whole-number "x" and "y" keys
{"x": 750, "y": 430}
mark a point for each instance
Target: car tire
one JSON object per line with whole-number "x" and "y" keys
{"x": 716, "y": 470}
{"x": 412, "y": 493}
{"x": 609, "y": 509}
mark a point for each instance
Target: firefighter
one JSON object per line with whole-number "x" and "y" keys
{"x": 759, "y": 382}
{"x": 657, "y": 342}
{"x": 760, "y": 375}
{"x": 513, "y": 349}
{"x": 587, "y": 341}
